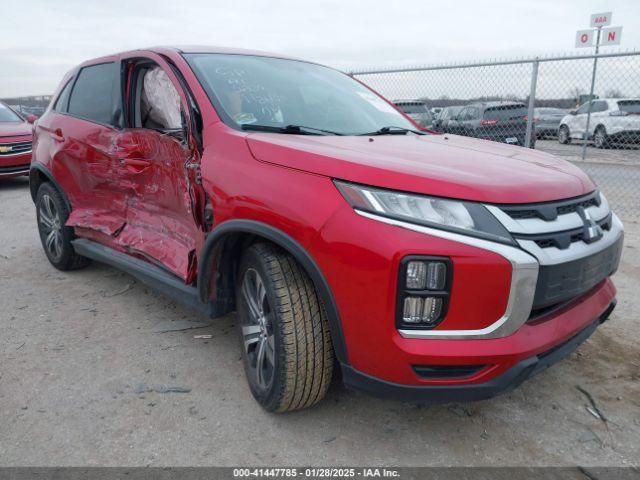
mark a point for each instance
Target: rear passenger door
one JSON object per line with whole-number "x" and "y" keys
{"x": 79, "y": 134}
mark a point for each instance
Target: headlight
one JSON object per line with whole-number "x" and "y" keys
{"x": 467, "y": 218}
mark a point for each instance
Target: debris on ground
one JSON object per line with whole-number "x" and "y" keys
{"x": 178, "y": 325}
{"x": 128, "y": 287}
{"x": 460, "y": 411}
{"x": 593, "y": 410}
{"x": 144, "y": 388}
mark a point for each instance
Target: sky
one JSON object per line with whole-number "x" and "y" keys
{"x": 40, "y": 40}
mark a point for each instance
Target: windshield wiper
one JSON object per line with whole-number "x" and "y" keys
{"x": 393, "y": 131}
{"x": 290, "y": 129}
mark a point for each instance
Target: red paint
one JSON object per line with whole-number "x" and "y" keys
{"x": 10, "y": 133}
{"x": 138, "y": 191}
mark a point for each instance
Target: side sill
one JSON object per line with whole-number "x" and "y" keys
{"x": 155, "y": 277}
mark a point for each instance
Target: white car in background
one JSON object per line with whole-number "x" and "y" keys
{"x": 613, "y": 120}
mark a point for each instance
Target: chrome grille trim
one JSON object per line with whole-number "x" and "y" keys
{"x": 567, "y": 221}
{"x": 17, "y": 148}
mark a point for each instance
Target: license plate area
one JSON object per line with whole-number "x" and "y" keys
{"x": 562, "y": 282}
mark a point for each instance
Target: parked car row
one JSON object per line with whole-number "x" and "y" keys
{"x": 614, "y": 121}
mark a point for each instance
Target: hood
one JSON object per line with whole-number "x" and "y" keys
{"x": 441, "y": 165}
{"x": 14, "y": 129}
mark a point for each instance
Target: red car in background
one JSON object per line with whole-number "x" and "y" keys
{"x": 426, "y": 267}
{"x": 15, "y": 142}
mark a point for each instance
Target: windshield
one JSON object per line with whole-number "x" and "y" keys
{"x": 8, "y": 115}
{"x": 253, "y": 90}
{"x": 629, "y": 106}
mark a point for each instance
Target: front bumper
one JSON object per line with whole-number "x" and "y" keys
{"x": 15, "y": 165}
{"x": 502, "y": 383}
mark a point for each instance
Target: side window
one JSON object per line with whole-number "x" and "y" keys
{"x": 599, "y": 106}
{"x": 583, "y": 109}
{"x": 62, "y": 102}
{"x": 468, "y": 113}
{"x": 462, "y": 115}
{"x": 93, "y": 94}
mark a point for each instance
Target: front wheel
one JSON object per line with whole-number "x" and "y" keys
{"x": 286, "y": 344}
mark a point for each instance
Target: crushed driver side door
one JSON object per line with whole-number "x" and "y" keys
{"x": 165, "y": 204}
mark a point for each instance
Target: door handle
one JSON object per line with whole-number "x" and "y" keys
{"x": 56, "y": 134}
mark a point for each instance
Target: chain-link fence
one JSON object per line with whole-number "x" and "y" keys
{"x": 544, "y": 103}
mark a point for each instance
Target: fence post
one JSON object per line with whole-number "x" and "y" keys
{"x": 532, "y": 99}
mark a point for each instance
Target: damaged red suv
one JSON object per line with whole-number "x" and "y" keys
{"x": 425, "y": 267}
{"x": 15, "y": 142}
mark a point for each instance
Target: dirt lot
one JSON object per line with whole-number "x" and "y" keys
{"x": 79, "y": 352}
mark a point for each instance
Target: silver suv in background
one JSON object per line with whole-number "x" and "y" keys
{"x": 613, "y": 121}
{"x": 417, "y": 110}
{"x": 547, "y": 120}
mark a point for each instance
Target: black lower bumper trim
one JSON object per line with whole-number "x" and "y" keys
{"x": 15, "y": 170}
{"x": 470, "y": 392}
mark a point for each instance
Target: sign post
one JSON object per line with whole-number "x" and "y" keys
{"x": 584, "y": 38}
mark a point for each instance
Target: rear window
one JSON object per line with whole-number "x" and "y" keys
{"x": 8, "y": 115}
{"x": 505, "y": 112}
{"x": 63, "y": 99}
{"x": 92, "y": 97}
{"x": 629, "y": 106}
{"x": 413, "y": 108}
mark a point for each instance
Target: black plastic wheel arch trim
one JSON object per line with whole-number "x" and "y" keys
{"x": 45, "y": 171}
{"x": 290, "y": 245}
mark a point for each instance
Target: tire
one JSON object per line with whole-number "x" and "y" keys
{"x": 51, "y": 215}
{"x": 564, "y": 137}
{"x": 284, "y": 333}
{"x": 600, "y": 137}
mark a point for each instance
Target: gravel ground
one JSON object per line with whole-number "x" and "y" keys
{"x": 80, "y": 351}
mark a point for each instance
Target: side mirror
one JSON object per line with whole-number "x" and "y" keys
{"x": 31, "y": 118}
{"x": 573, "y": 112}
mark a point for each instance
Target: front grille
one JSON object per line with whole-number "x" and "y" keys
{"x": 573, "y": 256}
{"x": 15, "y": 148}
{"x": 549, "y": 211}
{"x": 565, "y": 281}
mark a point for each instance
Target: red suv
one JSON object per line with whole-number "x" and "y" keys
{"x": 15, "y": 142}
{"x": 426, "y": 267}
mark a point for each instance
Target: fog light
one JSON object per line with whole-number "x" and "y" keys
{"x": 436, "y": 275}
{"x": 416, "y": 275}
{"x": 421, "y": 310}
{"x": 430, "y": 275}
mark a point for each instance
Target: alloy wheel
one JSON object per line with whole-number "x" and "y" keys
{"x": 51, "y": 226}
{"x": 257, "y": 330}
